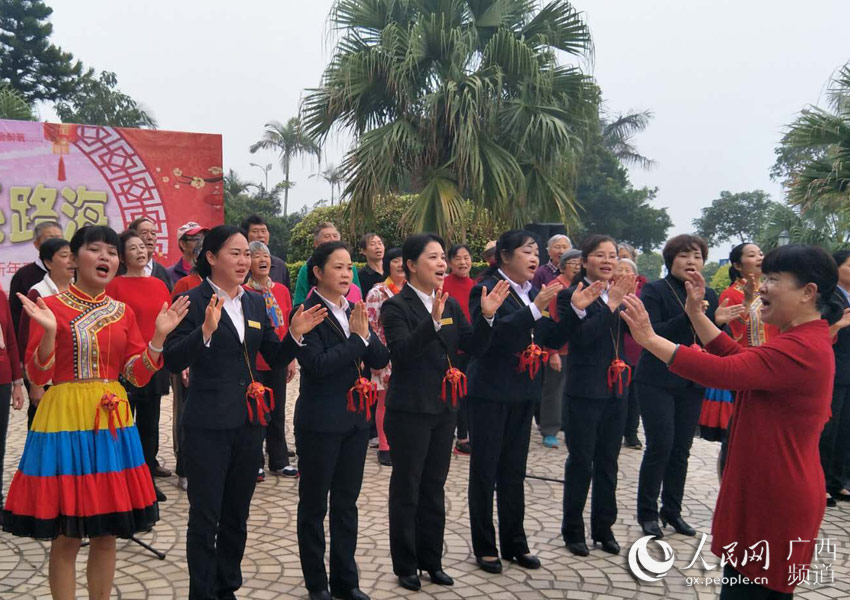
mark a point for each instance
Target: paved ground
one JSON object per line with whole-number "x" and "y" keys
{"x": 271, "y": 568}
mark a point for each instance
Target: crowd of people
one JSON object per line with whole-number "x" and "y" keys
{"x": 413, "y": 356}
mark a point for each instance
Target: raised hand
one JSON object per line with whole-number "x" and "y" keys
{"x": 212, "y": 315}
{"x": 170, "y": 316}
{"x": 622, "y": 287}
{"x": 547, "y": 292}
{"x": 637, "y": 319}
{"x": 303, "y": 321}
{"x": 38, "y": 312}
{"x": 438, "y": 305}
{"x": 358, "y": 322}
{"x": 726, "y": 313}
{"x": 695, "y": 302}
{"x": 491, "y": 301}
{"x": 750, "y": 290}
{"x": 585, "y": 296}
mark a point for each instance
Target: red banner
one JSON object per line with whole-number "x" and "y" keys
{"x": 83, "y": 174}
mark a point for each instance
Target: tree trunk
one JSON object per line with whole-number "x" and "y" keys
{"x": 286, "y": 189}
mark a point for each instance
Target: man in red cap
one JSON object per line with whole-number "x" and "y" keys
{"x": 189, "y": 238}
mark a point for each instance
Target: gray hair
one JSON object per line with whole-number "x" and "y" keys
{"x": 569, "y": 255}
{"x": 44, "y": 225}
{"x": 557, "y": 237}
{"x": 258, "y": 246}
{"x": 631, "y": 263}
{"x": 628, "y": 248}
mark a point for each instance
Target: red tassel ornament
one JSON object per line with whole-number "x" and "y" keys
{"x": 531, "y": 359}
{"x": 367, "y": 392}
{"x": 457, "y": 381}
{"x": 616, "y": 373}
{"x": 257, "y": 392}
{"x": 110, "y": 404}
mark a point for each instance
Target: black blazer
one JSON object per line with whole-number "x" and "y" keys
{"x": 595, "y": 342}
{"x": 669, "y": 321}
{"x": 418, "y": 352}
{"x": 329, "y": 363}
{"x": 220, "y": 375}
{"x": 842, "y": 347}
{"x": 493, "y": 373}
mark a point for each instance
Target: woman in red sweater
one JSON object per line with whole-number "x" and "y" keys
{"x": 278, "y": 306}
{"x": 145, "y": 295}
{"x": 11, "y": 377}
{"x": 764, "y": 529}
{"x": 457, "y": 284}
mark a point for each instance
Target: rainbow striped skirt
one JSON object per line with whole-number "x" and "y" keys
{"x": 82, "y": 473}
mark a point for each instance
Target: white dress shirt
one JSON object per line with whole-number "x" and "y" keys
{"x": 149, "y": 270}
{"x": 522, "y": 291}
{"x": 338, "y": 310}
{"x": 233, "y": 308}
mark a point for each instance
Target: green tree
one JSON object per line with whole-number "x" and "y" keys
{"x": 650, "y": 264}
{"x": 617, "y": 135}
{"x": 458, "y": 100}
{"x": 720, "y": 280}
{"x": 334, "y": 176}
{"x": 289, "y": 141}
{"x": 731, "y": 216}
{"x": 818, "y": 225}
{"x": 28, "y": 61}
{"x": 96, "y": 100}
{"x": 815, "y": 151}
{"x": 710, "y": 269}
{"x": 13, "y": 105}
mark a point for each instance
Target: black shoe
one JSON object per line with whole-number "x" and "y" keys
{"x": 830, "y": 502}
{"x": 610, "y": 545}
{"x": 839, "y": 496}
{"x": 352, "y": 594}
{"x": 160, "y": 497}
{"x": 160, "y": 471}
{"x": 464, "y": 448}
{"x": 440, "y": 577}
{"x": 410, "y": 582}
{"x": 632, "y": 442}
{"x": 577, "y": 548}
{"x": 679, "y": 525}
{"x": 384, "y": 458}
{"x": 527, "y": 561}
{"x": 491, "y": 566}
{"x": 320, "y": 595}
{"x": 651, "y": 528}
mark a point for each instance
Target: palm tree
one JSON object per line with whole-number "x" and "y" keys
{"x": 817, "y": 225}
{"x": 617, "y": 137}
{"x": 289, "y": 140}
{"x": 457, "y": 100}
{"x": 13, "y": 105}
{"x": 821, "y": 137}
{"x": 334, "y": 176}
{"x": 234, "y": 186}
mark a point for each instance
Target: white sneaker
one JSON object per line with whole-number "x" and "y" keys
{"x": 373, "y": 443}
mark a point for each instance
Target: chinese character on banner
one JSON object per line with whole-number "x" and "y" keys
{"x": 12, "y": 267}
{"x": 29, "y": 208}
{"x": 761, "y": 555}
{"x": 698, "y": 555}
{"x": 83, "y": 207}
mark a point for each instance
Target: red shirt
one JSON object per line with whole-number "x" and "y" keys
{"x": 10, "y": 357}
{"x": 284, "y": 301}
{"x": 459, "y": 288}
{"x": 773, "y": 485}
{"x": 192, "y": 280}
{"x": 145, "y": 295}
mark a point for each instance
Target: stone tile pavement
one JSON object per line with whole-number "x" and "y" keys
{"x": 271, "y": 569}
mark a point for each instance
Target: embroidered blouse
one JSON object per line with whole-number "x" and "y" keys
{"x": 96, "y": 338}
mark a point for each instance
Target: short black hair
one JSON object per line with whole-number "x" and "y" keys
{"x": 91, "y": 234}
{"x": 254, "y": 219}
{"x": 389, "y": 256}
{"x": 841, "y": 257}
{"x": 414, "y": 246}
{"x": 683, "y": 243}
{"x": 808, "y": 264}
{"x": 588, "y": 247}
{"x": 457, "y": 248}
{"x": 508, "y": 242}
{"x": 50, "y": 247}
{"x": 366, "y": 238}
{"x": 214, "y": 240}
{"x": 126, "y": 235}
{"x": 320, "y": 257}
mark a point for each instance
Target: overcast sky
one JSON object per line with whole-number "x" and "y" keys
{"x": 722, "y": 77}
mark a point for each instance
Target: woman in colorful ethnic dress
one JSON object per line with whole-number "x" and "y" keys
{"x": 748, "y": 330}
{"x": 378, "y": 294}
{"x": 82, "y": 473}
{"x": 771, "y": 500}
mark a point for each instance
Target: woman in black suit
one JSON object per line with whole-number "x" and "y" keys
{"x": 332, "y": 424}
{"x": 503, "y": 389}
{"x": 223, "y": 428}
{"x": 424, "y": 329}
{"x": 595, "y": 398}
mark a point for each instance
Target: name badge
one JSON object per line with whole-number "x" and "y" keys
{"x": 446, "y": 321}
{"x": 545, "y": 313}
{"x": 254, "y": 324}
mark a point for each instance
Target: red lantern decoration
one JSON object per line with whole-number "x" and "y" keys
{"x": 457, "y": 381}
{"x": 531, "y": 359}
{"x": 257, "y": 392}
{"x": 367, "y": 392}
{"x": 62, "y": 135}
{"x": 616, "y": 371}
{"x": 110, "y": 404}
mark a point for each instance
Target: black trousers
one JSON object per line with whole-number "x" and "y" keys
{"x": 835, "y": 440}
{"x": 421, "y": 451}
{"x": 748, "y": 591}
{"x": 329, "y": 463}
{"x": 461, "y": 361}
{"x": 221, "y": 466}
{"x": 179, "y": 401}
{"x": 276, "y": 431}
{"x": 497, "y": 465}
{"x": 5, "y": 409}
{"x": 146, "y": 404}
{"x": 593, "y": 441}
{"x": 633, "y": 412}
{"x": 670, "y": 419}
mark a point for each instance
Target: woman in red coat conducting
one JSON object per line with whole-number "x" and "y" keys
{"x": 762, "y": 529}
